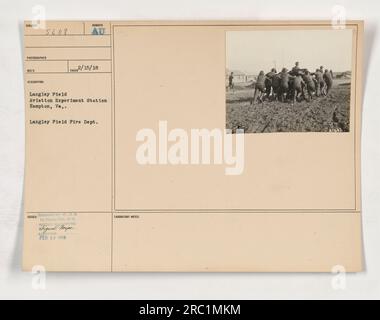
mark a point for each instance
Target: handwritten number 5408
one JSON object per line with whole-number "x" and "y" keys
{"x": 56, "y": 32}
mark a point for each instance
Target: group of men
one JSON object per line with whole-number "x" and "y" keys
{"x": 291, "y": 85}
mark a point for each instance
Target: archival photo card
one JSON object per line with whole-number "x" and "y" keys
{"x": 129, "y": 166}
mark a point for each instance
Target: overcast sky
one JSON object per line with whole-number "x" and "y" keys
{"x": 252, "y": 51}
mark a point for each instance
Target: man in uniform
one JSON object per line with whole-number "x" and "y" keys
{"x": 310, "y": 84}
{"x": 284, "y": 84}
{"x": 329, "y": 81}
{"x": 269, "y": 81}
{"x": 298, "y": 85}
{"x": 259, "y": 87}
{"x": 231, "y": 81}
{"x": 319, "y": 82}
{"x": 296, "y": 70}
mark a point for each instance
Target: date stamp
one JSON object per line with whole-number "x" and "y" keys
{"x": 56, "y": 226}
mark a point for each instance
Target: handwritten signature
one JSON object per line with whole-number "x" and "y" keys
{"x": 44, "y": 228}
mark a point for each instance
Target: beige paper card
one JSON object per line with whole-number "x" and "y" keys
{"x": 193, "y": 146}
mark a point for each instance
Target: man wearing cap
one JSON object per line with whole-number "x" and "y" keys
{"x": 296, "y": 70}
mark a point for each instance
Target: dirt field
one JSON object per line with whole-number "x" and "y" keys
{"x": 274, "y": 116}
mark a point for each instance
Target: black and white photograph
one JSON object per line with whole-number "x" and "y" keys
{"x": 288, "y": 80}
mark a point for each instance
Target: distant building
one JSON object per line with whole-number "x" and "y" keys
{"x": 240, "y": 77}
{"x": 343, "y": 75}
{"x": 250, "y": 77}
